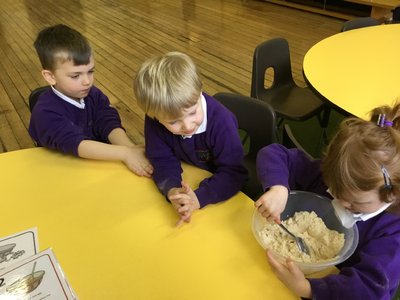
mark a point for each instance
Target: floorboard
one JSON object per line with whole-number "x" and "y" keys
{"x": 220, "y": 35}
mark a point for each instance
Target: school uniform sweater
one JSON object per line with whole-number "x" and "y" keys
{"x": 59, "y": 125}
{"x": 218, "y": 150}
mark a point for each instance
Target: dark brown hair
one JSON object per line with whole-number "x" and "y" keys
{"x": 61, "y": 43}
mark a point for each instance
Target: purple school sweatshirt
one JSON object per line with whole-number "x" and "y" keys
{"x": 59, "y": 125}
{"x": 373, "y": 271}
{"x": 218, "y": 150}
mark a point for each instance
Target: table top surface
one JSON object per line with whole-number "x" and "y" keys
{"x": 356, "y": 70}
{"x": 114, "y": 235}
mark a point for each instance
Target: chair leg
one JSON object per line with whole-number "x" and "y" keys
{"x": 324, "y": 122}
{"x": 325, "y": 117}
{"x": 289, "y": 140}
{"x": 279, "y": 123}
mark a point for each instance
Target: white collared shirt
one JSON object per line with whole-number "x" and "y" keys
{"x": 348, "y": 218}
{"x": 80, "y": 104}
{"x": 203, "y": 126}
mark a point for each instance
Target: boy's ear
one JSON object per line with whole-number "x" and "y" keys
{"x": 49, "y": 77}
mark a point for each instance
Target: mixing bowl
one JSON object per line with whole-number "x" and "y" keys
{"x": 322, "y": 206}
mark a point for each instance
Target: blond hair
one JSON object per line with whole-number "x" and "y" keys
{"x": 356, "y": 155}
{"x": 167, "y": 84}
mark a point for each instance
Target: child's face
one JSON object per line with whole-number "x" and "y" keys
{"x": 187, "y": 123}
{"x": 73, "y": 81}
{"x": 362, "y": 202}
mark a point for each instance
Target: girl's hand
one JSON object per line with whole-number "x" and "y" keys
{"x": 291, "y": 276}
{"x": 272, "y": 203}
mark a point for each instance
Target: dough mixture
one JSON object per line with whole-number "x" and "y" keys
{"x": 324, "y": 244}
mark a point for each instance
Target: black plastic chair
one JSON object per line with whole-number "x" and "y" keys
{"x": 359, "y": 23}
{"x": 289, "y": 140}
{"x": 396, "y": 20}
{"x": 289, "y": 101}
{"x": 34, "y": 96}
{"x": 257, "y": 125}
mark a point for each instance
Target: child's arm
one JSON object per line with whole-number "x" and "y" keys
{"x": 159, "y": 149}
{"x": 280, "y": 170}
{"x": 132, "y": 156}
{"x": 372, "y": 272}
{"x": 225, "y": 160}
{"x": 292, "y": 168}
{"x": 136, "y": 159}
{"x": 118, "y": 136}
{"x": 273, "y": 202}
{"x": 291, "y": 276}
{"x": 58, "y": 125}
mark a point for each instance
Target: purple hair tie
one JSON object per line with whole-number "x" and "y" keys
{"x": 382, "y": 122}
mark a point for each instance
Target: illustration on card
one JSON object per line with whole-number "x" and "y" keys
{"x": 7, "y": 253}
{"x": 18, "y": 246}
{"x": 26, "y": 284}
{"x": 37, "y": 277}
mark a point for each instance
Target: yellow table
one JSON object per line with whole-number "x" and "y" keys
{"x": 114, "y": 234}
{"x": 356, "y": 70}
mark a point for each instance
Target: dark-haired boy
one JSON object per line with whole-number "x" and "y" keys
{"x": 74, "y": 116}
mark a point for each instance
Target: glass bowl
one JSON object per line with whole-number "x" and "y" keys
{"x": 322, "y": 206}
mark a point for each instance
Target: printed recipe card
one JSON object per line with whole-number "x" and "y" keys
{"x": 36, "y": 278}
{"x": 17, "y": 247}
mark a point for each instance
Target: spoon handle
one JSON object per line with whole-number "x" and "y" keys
{"x": 284, "y": 228}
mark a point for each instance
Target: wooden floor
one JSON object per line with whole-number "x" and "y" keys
{"x": 219, "y": 35}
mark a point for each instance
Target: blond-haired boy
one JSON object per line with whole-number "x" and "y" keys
{"x": 184, "y": 124}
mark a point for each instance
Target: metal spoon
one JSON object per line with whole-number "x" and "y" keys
{"x": 299, "y": 241}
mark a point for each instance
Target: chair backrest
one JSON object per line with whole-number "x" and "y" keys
{"x": 34, "y": 96}
{"x": 289, "y": 140}
{"x": 396, "y": 15}
{"x": 256, "y": 118}
{"x": 274, "y": 54}
{"x": 359, "y": 23}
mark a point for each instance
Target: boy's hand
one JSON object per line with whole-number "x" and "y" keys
{"x": 184, "y": 201}
{"x": 135, "y": 159}
{"x": 291, "y": 276}
{"x": 272, "y": 203}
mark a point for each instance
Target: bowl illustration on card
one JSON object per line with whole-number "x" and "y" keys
{"x": 26, "y": 284}
{"x": 7, "y": 253}
{"x": 5, "y": 250}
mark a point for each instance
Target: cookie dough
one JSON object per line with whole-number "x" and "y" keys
{"x": 324, "y": 244}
